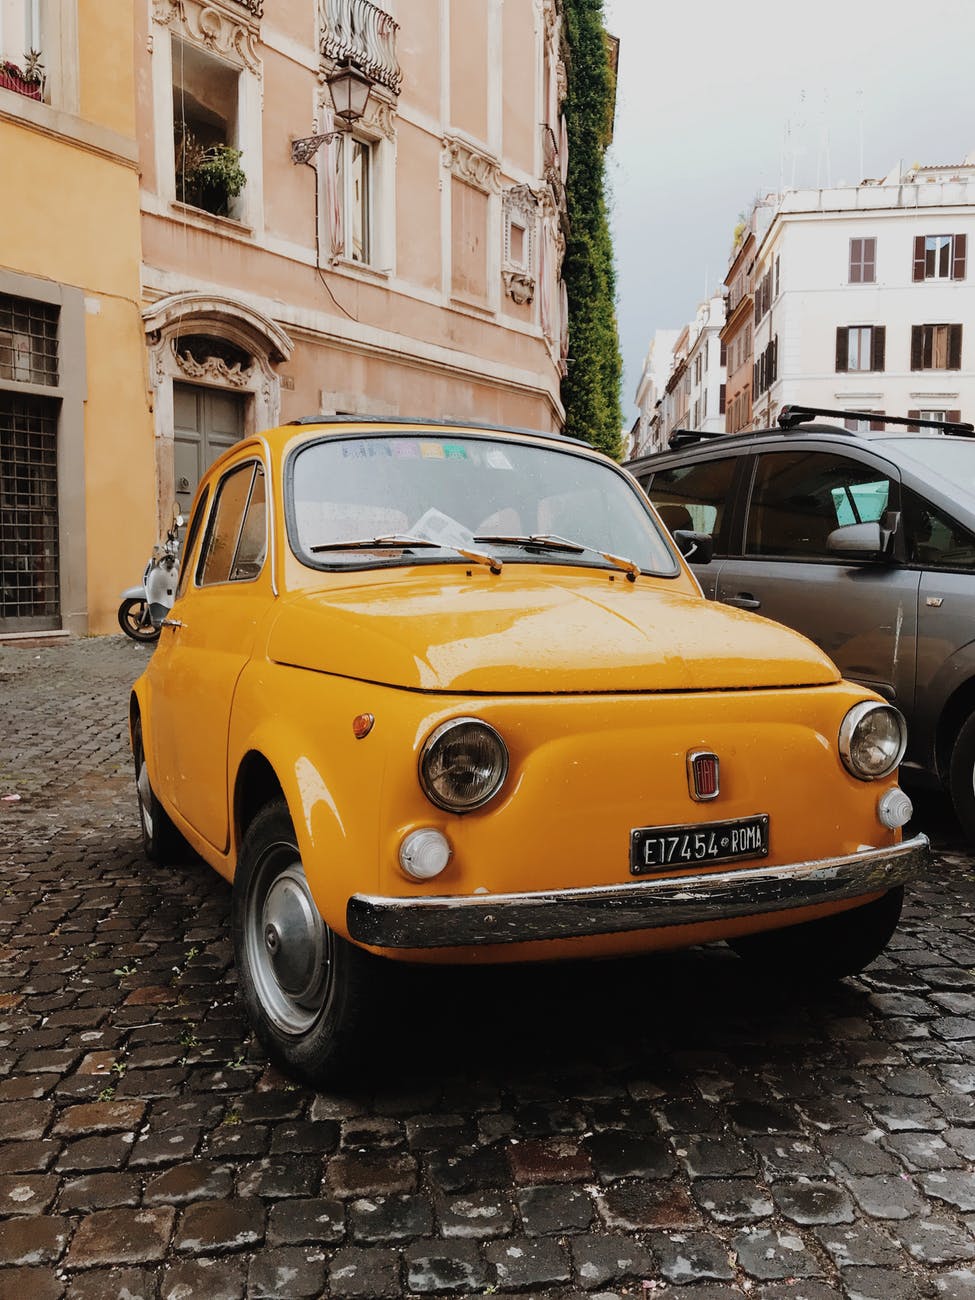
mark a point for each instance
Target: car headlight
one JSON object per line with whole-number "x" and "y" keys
{"x": 463, "y": 764}
{"x": 872, "y": 740}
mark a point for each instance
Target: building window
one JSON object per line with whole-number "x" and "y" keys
{"x": 28, "y": 341}
{"x": 354, "y": 162}
{"x": 860, "y": 347}
{"x": 206, "y": 95}
{"x": 954, "y": 416}
{"x": 863, "y": 261}
{"x": 21, "y": 49}
{"x": 935, "y": 347}
{"x": 940, "y": 257}
{"x": 862, "y": 426}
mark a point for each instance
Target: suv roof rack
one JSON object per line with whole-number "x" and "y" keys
{"x": 683, "y": 437}
{"x": 792, "y": 415}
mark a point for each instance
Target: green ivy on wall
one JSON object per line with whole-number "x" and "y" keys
{"x": 591, "y": 389}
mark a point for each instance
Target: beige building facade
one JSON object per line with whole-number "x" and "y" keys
{"x": 76, "y": 465}
{"x": 402, "y": 263}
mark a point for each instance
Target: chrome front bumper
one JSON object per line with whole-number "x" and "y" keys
{"x": 463, "y": 921}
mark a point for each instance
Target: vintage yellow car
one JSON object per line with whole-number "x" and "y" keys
{"x": 433, "y": 692}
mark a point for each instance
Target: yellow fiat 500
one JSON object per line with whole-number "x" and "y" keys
{"x": 442, "y": 693}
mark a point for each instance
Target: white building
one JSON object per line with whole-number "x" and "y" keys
{"x": 864, "y": 298}
{"x": 657, "y": 366}
{"x": 706, "y": 368}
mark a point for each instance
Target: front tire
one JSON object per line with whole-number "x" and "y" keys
{"x": 162, "y": 842}
{"x": 961, "y": 778}
{"x": 307, "y": 991}
{"x": 133, "y": 619}
{"x": 821, "y": 951}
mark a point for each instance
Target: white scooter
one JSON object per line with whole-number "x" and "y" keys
{"x": 143, "y": 609}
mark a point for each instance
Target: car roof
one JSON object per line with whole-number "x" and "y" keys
{"x": 373, "y": 422}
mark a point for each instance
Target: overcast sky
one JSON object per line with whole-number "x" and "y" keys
{"x": 719, "y": 102}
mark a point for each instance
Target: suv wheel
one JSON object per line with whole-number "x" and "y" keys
{"x": 819, "y": 951}
{"x": 961, "y": 778}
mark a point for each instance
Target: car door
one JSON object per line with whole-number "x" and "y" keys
{"x": 698, "y": 496}
{"x": 204, "y": 649}
{"x": 863, "y": 613}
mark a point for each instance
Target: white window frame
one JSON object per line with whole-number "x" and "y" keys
{"x": 382, "y": 206}
{"x": 248, "y": 208}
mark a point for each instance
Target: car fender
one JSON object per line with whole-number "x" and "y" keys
{"x": 332, "y": 790}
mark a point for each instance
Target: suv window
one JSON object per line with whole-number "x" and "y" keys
{"x": 800, "y": 497}
{"x": 694, "y": 496}
{"x": 934, "y": 540}
{"x": 234, "y": 546}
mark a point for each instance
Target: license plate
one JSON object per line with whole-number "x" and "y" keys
{"x": 657, "y": 848}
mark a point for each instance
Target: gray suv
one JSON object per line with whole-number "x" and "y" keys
{"x": 863, "y": 539}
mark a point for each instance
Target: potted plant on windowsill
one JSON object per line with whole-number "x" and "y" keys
{"x": 28, "y": 80}
{"x": 208, "y": 177}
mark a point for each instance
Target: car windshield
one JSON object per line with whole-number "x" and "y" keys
{"x": 430, "y": 498}
{"x": 951, "y": 458}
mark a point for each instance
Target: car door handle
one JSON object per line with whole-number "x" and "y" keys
{"x": 742, "y": 601}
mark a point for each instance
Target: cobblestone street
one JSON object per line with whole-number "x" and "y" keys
{"x": 666, "y": 1127}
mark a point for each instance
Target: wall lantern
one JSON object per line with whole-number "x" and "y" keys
{"x": 350, "y": 96}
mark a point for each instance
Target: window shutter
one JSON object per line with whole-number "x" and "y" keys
{"x": 723, "y": 359}
{"x": 869, "y": 261}
{"x": 914, "y": 415}
{"x": 917, "y": 344}
{"x": 842, "y": 348}
{"x": 960, "y": 248}
{"x": 918, "y": 258}
{"x": 775, "y": 359}
{"x": 856, "y": 260}
{"x": 722, "y": 399}
{"x": 877, "y": 426}
{"x": 878, "y": 344}
{"x": 954, "y": 347}
{"x": 954, "y": 417}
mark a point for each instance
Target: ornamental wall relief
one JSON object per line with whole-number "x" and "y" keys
{"x": 471, "y": 164}
{"x": 223, "y": 31}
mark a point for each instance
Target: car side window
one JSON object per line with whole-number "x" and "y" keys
{"x": 694, "y": 496}
{"x": 191, "y": 535}
{"x": 800, "y": 497}
{"x": 235, "y": 543}
{"x": 934, "y": 540}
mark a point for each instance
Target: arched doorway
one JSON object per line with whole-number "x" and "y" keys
{"x": 211, "y": 366}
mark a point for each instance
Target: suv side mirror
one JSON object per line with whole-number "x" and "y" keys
{"x": 858, "y": 541}
{"x": 696, "y": 547}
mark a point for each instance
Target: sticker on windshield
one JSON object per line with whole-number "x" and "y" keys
{"x": 406, "y": 449}
{"x": 431, "y": 451}
{"x": 497, "y": 459}
{"x": 454, "y": 451}
{"x": 437, "y": 527}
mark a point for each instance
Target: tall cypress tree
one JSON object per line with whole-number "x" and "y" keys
{"x": 591, "y": 389}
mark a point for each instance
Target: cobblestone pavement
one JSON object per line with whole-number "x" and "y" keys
{"x": 665, "y": 1127}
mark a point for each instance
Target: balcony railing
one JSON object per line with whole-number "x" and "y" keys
{"x": 364, "y": 34}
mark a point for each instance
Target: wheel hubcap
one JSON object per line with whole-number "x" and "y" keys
{"x": 145, "y": 798}
{"x": 289, "y": 944}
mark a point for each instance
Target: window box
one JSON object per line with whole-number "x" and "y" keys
{"x": 11, "y": 78}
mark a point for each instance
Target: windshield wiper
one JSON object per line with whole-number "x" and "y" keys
{"x": 551, "y": 542}
{"x": 544, "y": 541}
{"x": 404, "y": 540}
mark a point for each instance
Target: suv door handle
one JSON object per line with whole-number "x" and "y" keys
{"x": 742, "y": 601}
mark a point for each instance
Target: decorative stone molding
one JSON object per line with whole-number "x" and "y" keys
{"x": 221, "y": 31}
{"x": 226, "y": 318}
{"x": 552, "y": 16}
{"x": 470, "y": 164}
{"x": 518, "y": 286}
{"x": 521, "y": 208}
{"x": 212, "y": 368}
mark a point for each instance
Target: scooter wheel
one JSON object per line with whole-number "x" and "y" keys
{"x": 133, "y": 619}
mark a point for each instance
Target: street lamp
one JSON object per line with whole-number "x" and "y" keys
{"x": 350, "y": 95}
